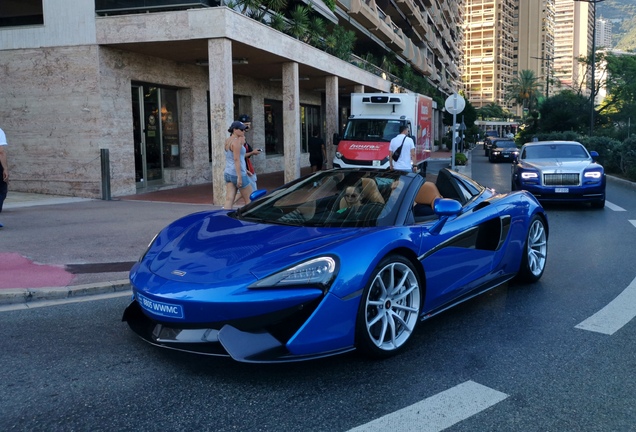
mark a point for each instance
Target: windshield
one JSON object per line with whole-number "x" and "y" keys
{"x": 504, "y": 144}
{"x": 338, "y": 198}
{"x": 372, "y": 129}
{"x": 555, "y": 151}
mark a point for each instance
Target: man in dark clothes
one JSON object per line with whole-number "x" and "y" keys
{"x": 317, "y": 152}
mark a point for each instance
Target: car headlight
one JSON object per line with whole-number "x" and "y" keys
{"x": 593, "y": 174}
{"x": 317, "y": 271}
{"x": 529, "y": 175}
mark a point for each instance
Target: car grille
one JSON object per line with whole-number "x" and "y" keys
{"x": 561, "y": 179}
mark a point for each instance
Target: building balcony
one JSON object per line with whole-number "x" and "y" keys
{"x": 112, "y": 7}
{"x": 366, "y": 13}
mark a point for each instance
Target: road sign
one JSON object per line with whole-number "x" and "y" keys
{"x": 455, "y": 104}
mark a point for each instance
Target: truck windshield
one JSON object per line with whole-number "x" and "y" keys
{"x": 372, "y": 129}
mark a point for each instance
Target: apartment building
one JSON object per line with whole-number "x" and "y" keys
{"x": 490, "y": 50}
{"x": 604, "y": 33}
{"x": 535, "y": 40}
{"x": 150, "y": 86}
{"x": 572, "y": 39}
{"x": 503, "y": 37}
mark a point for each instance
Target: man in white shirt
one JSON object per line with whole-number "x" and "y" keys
{"x": 406, "y": 161}
{"x": 4, "y": 170}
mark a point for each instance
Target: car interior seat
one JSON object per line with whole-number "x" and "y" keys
{"x": 425, "y": 199}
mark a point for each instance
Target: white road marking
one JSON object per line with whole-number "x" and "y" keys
{"x": 615, "y": 315}
{"x": 438, "y": 412}
{"x": 633, "y": 222}
{"x": 613, "y": 206}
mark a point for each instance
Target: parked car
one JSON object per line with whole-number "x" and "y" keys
{"x": 487, "y": 140}
{"x": 560, "y": 171}
{"x": 339, "y": 260}
{"x": 502, "y": 149}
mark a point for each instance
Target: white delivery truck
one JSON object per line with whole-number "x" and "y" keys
{"x": 375, "y": 119}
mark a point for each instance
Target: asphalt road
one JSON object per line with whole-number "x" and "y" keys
{"x": 515, "y": 355}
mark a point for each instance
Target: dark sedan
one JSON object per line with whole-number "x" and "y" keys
{"x": 560, "y": 171}
{"x": 502, "y": 149}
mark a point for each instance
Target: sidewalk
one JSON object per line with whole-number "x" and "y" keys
{"x": 55, "y": 247}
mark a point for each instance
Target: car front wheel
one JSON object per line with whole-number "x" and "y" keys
{"x": 535, "y": 252}
{"x": 390, "y": 308}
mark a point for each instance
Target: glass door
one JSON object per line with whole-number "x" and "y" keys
{"x": 147, "y": 132}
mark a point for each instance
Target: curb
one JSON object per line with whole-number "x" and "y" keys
{"x": 13, "y": 296}
{"x": 622, "y": 181}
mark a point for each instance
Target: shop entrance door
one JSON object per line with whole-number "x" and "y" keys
{"x": 147, "y": 135}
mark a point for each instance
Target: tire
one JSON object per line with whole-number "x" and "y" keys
{"x": 535, "y": 252}
{"x": 389, "y": 309}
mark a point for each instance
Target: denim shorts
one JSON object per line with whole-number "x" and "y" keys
{"x": 229, "y": 178}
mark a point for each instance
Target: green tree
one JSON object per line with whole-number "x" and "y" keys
{"x": 566, "y": 111}
{"x": 493, "y": 111}
{"x": 525, "y": 90}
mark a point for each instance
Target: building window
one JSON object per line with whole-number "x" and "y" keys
{"x": 21, "y": 13}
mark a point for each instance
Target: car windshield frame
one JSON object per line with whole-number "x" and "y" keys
{"x": 320, "y": 200}
{"x": 555, "y": 151}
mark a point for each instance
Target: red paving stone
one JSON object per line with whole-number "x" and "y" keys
{"x": 20, "y": 272}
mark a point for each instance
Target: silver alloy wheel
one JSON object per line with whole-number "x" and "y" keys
{"x": 537, "y": 247}
{"x": 392, "y": 306}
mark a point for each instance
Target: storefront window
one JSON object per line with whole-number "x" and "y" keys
{"x": 21, "y": 13}
{"x": 273, "y": 127}
{"x": 309, "y": 123}
{"x": 169, "y": 120}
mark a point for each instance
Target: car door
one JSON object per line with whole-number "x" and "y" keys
{"x": 461, "y": 255}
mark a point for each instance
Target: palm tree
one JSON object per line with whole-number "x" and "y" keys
{"x": 524, "y": 89}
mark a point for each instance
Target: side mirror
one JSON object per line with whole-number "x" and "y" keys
{"x": 594, "y": 155}
{"x": 447, "y": 207}
{"x": 336, "y": 139}
{"x": 258, "y": 193}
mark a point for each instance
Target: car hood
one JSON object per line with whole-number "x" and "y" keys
{"x": 556, "y": 165}
{"x": 219, "y": 249}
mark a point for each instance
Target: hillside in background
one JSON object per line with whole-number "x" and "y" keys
{"x": 623, "y": 13}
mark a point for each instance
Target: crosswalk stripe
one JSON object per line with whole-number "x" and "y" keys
{"x": 438, "y": 412}
{"x": 614, "y": 207}
{"x": 615, "y": 315}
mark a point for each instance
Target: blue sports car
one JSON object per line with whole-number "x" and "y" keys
{"x": 336, "y": 261}
{"x": 559, "y": 171}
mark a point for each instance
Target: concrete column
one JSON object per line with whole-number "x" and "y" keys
{"x": 358, "y": 88}
{"x": 332, "y": 113}
{"x": 221, "y": 109}
{"x": 291, "y": 121}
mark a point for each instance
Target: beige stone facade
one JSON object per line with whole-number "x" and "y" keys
{"x": 65, "y": 92}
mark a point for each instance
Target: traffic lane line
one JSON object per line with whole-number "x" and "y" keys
{"x": 633, "y": 222}
{"x": 614, "y": 207}
{"x": 615, "y": 315}
{"x": 438, "y": 412}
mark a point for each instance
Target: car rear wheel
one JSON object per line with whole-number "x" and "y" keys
{"x": 535, "y": 251}
{"x": 390, "y": 308}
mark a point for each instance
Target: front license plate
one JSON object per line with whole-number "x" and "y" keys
{"x": 506, "y": 156}
{"x": 377, "y": 163}
{"x": 160, "y": 308}
{"x": 561, "y": 190}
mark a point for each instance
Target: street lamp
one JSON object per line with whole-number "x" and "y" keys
{"x": 547, "y": 76}
{"x": 593, "y": 84}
